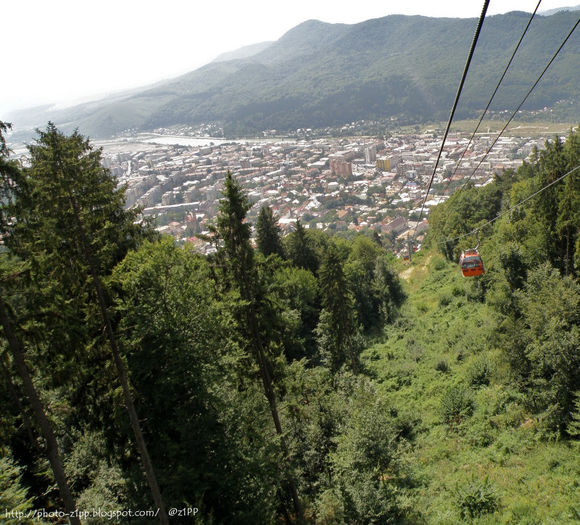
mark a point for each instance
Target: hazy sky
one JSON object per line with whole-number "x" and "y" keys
{"x": 64, "y": 50}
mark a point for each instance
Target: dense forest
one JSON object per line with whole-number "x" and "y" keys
{"x": 297, "y": 379}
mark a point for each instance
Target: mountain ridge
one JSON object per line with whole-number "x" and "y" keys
{"x": 550, "y": 12}
{"x": 319, "y": 74}
{"x": 243, "y": 52}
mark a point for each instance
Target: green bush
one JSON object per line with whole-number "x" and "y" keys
{"x": 445, "y": 300}
{"x": 479, "y": 373}
{"x": 422, "y": 308}
{"x": 476, "y": 291}
{"x": 367, "y": 458}
{"x": 476, "y": 498}
{"x": 457, "y": 404}
{"x": 457, "y": 291}
{"x": 442, "y": 366}
{"x": 438, "y": 264}
{"x": 480, "y": 432}
{"x": 522, "y": 513}
{"x": 574, "y": 424}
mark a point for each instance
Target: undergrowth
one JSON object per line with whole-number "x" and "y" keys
{"x": 478, "y": 455}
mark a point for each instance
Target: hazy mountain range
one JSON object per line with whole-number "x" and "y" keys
{"x": 321, "y": 74}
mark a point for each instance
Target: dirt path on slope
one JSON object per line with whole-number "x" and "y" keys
{"x": 406, "y": 274}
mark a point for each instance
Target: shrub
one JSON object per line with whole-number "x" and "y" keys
{"x": 574, "y": 424}
{"x": 480, "y": 433}
{"x": 477, "y": 498}
{"x": 476, "y": 292}
{"x": 438, "y": 264}
{"x": 457, "y": 404}
{"x": 367, "y": 463}
{"x": 422, "y": 308}
{"x": 445, "y": 300}
{"x": 442, "y": 366}
{"x": 416, "y": 353}
{"x": 457, "y": 291}
{"x": 522, "y": 513}
{"x": 479, "y": 372}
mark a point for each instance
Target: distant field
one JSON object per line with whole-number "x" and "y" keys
{"x": 516, "y": 128}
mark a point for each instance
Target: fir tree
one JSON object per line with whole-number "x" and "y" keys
{"x": 70, "y": 226}
{"x": 338, "y": 327}
{"x": 300, "y": 249}
{"x": 13, "y": 497}
{"x": 9, "y": 175}
{"x": 234, "y": 232}
{"x": 268, "y": 233}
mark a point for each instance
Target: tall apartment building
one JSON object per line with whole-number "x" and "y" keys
{"x": 340, "y": 165}
{"x": 370, "y": 154}
{"x": 340, "y": 168}
{"x": 388, "y": 162}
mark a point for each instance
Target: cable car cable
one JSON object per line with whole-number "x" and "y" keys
{"x": 499, "y": 216}
{"x": 459, "y": 89}
{"x": 458, "y": 94}
{"x": 521, "y": 103}
{"x": 496, "y": 89}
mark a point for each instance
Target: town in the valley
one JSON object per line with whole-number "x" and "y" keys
{"x": 336, "y": 184}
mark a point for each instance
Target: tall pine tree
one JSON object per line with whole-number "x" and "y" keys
{"x": 71, "y": 227}
{"x": 9, "y": 176}
{"x": 268, "y": 233}
{"x": 300, "y": 249}
{"x": 234, "y": 232}
{"x": 338, "y": 327}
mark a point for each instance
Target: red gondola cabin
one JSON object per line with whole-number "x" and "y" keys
{"x": 471, "y": 263}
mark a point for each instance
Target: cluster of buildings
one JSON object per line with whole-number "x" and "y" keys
{"x": 337, "y": 184}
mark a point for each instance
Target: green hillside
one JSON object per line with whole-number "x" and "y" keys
{"x": 479, "y": 445}
{"x": 321, "y": 74}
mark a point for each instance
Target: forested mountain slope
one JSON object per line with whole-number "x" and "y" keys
{"x": 321, "y": 74}
{"x": 311, "y": 379}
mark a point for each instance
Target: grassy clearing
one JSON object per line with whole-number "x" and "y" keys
{"x": 476, "y": 447}
{"x": 516, "y": 128}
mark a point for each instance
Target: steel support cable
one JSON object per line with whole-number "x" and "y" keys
{"x": 500, "y": 215}
{"x": 521, "y": 103}
{"x": 459, "y": 89}
{"x": 496, "y": 89}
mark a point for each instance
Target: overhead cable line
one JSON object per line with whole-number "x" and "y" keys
{"x": 496, "y": 88}
{"x": 459, "y": 89}
{"x": 522, "y": 102}
{"x": 479, "y": 228}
